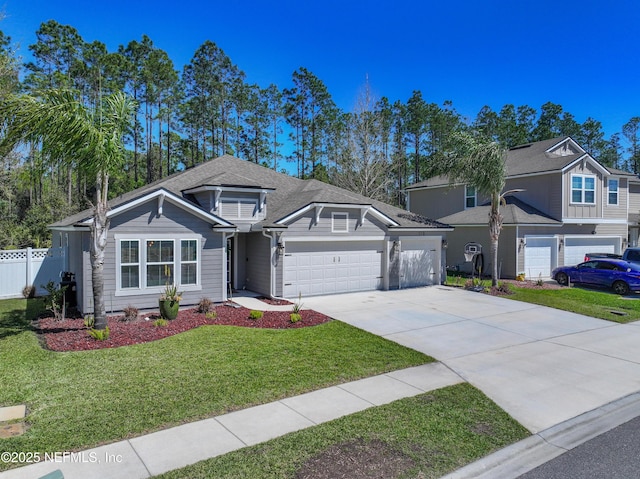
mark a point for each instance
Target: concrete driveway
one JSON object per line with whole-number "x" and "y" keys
{"x": 541, "y": 365}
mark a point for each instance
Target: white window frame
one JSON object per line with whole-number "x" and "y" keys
{"x": 467, "y": 196}
{"x": 583, "y": 190}
{"x": 341, "y": 215}
{"x": 616, "y": 192}
{"x": 142, "y": 264}
{"x": 121, "y": 265}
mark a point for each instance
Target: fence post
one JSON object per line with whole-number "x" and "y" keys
{"x": 28, "y": 275}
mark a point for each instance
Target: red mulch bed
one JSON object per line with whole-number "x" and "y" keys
{"x": 73, "y": 335}
{"x": 276, "y": 302}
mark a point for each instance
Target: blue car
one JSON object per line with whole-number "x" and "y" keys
{"x": 619, "y": 275}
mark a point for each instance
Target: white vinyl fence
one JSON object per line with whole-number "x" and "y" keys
{"x": 24, "y": 267}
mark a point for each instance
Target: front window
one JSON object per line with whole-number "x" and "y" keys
{"x": 130, "y": 264}
{"x": 158, "y": 263}
{"x": 470, "y": 197}
{"x": 583, "y": 189}
{"x": 613, "y": 192}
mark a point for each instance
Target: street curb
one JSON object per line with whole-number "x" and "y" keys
{"x": 523, "y": 456}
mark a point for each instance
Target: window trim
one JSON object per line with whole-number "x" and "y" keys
{"x": 616, "y": 192}
{"x": 121, "y": 264}
{"x": 142, "y": 288}
{"x": 341, "y": 214}
{"x": 583, "y": 189}
{"x": 467, "y": 196}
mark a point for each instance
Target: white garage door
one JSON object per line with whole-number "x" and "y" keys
{"x": 419, "y": 265}
{"x": 309, "y": 269}
{"x": 576, "y": 248}
{"x": 539, "y": 257}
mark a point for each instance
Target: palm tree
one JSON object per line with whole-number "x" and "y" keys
{"x": 90, "y": 139}
{"x": 480, "y": 163}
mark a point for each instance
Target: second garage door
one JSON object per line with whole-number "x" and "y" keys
{"x": 539, "y": 256}
{"x": 314, "y": 268}
{"x": 577, "y": 247}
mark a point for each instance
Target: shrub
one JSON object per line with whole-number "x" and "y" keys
{"x": 89, "y": 321}
{"x": 255, "y": 314}
{"x": 501, "y": 289}
{"x": 205, "y": 305}
{"x": 295, "y": 317}
{"x": 130, "y": 313}
{"x": 539, "y": 281}
{"x": 99, "y": 334}
{"x": 29, "y": 291}
{"x": 520, "y": 277}
{"x": 53, "y": 301}
{"x": 160, "y": 323}
{"x": 211, "y": 315}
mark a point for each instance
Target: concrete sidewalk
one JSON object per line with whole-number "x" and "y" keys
{"x": 162, "y": 451}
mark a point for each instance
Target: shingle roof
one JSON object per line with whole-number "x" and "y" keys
{"x": 515, "y": 212}
{"x": 528, "y": 159}
{"x": 288, "y": 196}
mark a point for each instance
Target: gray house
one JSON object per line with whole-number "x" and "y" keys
{"x": 571, "y": 205}
{"x": 228, "y": 224}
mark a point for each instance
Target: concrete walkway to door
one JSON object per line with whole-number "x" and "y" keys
{"x": 543, "y": 366}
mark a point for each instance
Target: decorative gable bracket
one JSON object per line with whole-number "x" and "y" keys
{"x": 161, "y": 197}
{"x": 263, "y": 198}
{"x": 214, "y": 198}
{"x": 319, "y": 209}
{"x": 363, "y": 212}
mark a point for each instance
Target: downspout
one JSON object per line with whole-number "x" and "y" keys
{"x": 227, "y": 274}
{"x": 272, "y": 275}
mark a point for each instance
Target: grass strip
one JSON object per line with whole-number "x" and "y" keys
{"x": 425, "y": 436}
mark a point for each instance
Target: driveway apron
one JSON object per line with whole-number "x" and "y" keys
{"x": 541, "y": 365}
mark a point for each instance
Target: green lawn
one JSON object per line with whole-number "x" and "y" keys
{"x": 590, "y": 302}
{"x": 82, "y": 399}
{"x": 425, "y": 436}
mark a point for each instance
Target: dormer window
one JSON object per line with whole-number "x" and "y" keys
{"x": 470, "y": 197}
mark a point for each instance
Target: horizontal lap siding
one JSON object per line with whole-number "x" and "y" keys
{"x": 306, "y": 225}
{"x": 143, "y": 221}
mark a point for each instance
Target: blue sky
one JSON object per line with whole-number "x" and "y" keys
{"x": 584, "y": 55}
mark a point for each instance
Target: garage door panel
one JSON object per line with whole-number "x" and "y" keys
{"x": 418, "y": 263}
{"x": 539, "y": 257}
{"x": 349, "y": 266}
{"x": 576, "y": 248}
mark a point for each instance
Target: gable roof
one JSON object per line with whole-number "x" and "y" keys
{"x": 515, "y": 212}
{"x": 545, "y": 156}
{"x": 286, "y": 196}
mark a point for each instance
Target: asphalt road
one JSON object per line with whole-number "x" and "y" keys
{"x": 612, "y": 455}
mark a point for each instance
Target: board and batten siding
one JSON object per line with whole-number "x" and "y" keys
{"x": 619, "y": 210}
{"x": 142, "y": 222}
{"x": 577, "y": 210}
{"x": 306, "y": 225}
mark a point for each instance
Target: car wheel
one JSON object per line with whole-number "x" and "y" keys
{"x": 620, "y": 287}
{"x": 562, "y": 279}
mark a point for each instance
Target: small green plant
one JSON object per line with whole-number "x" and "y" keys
{"x": 54, "y": 300}
{"x": 255, "y": 314}
{"x": 211, "y": 315}
{"x": 539, "y": 281}
{"x": 297, "y": 306}
{"x": 29, "y": 291}
{"x": 160, "y": 323}
{"x": 99, "y": 334}
{"x": 205, "y": 305}
{"x": 130, "y": 313}
{"x": 295, "y": 317}
{"x": 171, "y": 293}
{"x": 502, "y": 289}
{"x": 89, "y": 321}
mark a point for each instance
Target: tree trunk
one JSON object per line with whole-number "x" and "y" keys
{"x": 99, "y": 230}
{"x": 495, "y": 225}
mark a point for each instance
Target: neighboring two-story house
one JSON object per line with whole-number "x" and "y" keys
{"x": 229, "y": 224}
{"x": 569, "y": 205}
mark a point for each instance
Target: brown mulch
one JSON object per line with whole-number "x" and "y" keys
{"x": 275, "y": 302}
{"x": 73, "y": 335}
{"x": 532, "y": 284}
